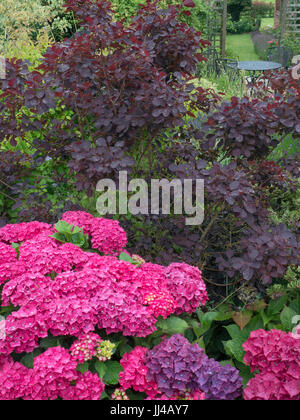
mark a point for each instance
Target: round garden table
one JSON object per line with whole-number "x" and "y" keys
{"x": 261, "y": 66}
{"x": 254, "y": 67}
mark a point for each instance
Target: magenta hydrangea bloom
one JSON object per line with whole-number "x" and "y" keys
{"x": 121, "y": 310}
{"x": 119, "y": 270}
{"x": 23, "y": 328}
{"x": 268, "y": 387}
{"x": 135, "y": 372}
{"x": 53, "y": 371}
{"x": 273, "y": 351}
{"x": 107, "y": 236}
{"x": 23, "y": 231}
{"x": 88, "y": 387}
{"x": 186, "y": 286}
{"x": 10, "y": 271}
{"x": 80, "y": 284}
{"x": 14, "y": 380}
{"x": 160, "y": 303}
{"x": 79, "y": 218}
{"x": 85, "y": 348}
{"x": 7, "y": 254}
{"x": 29, "y": 287}
{"x": 47, "y": 260}
{"x": 71, "y": 316}
{"x": 276, "y": 355}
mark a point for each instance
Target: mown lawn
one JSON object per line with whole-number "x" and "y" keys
{"x": 265, "y": 22}
{"x": 241, "y": 47}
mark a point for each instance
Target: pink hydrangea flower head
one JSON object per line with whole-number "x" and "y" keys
{"x": 88, "y": 387}
{"x": 120, "y": 309}
{"x": 23, "y": 329}
{"x": 75, "y": 255}
{"x": 152, "y": 276}
{"x": 45, "y": 260}
{"x": 160, "y": 303}
{"x": 79, "y": 218}
{"x": 23, "y": 231}
{"x": 273, "y": 351}
{"x": 11, "y": 270}
{"x": 71, "y": 316}
{"x": 135, "y": 372}
{"x": 119, "y": 270}
{"x": 268, "y": 387}
{"x": 186, "y": 286}
{"x": 80, "y": 284}
{"x": 53, "y": 371}
{"x": 40, "y": 241}
{"x": 14, "y": 380}
{"x": 276, "y": 355}
{"x": 7, "y": 254}
{"x": 107, "y": 236}
{"x": 84, "y": 349}
{"x": 25, "y": 289}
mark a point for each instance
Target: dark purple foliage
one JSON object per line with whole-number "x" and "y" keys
{"x": 122, "y": 83}
{"x": 91, "y": 164}
{"x": 244, "y": 127}
{"x": 265, "y": 254}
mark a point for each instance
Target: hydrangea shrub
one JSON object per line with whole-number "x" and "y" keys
{"x": 53, "y": 289}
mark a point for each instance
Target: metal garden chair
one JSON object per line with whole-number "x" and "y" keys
{"x": 280, "y": 55}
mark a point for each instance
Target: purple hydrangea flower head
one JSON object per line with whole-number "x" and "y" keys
{"x": 219, "y": 382}
{"x": 173, "y": 363}
{"x": 177, "y": 365}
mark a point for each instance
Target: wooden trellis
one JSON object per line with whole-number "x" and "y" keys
{"x": 216, "y": 25}
{"x": 290, "y": 17}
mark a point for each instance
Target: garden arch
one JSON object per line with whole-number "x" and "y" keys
{"x": 216, "y": 25}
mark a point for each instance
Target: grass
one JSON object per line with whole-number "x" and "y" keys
{"x": 266, "y": 22}
{"x": 241, "y": 47}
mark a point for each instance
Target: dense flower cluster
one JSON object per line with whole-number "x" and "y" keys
{"x": 7, "y": 254}
{"x": 160, "y": 303}
{"x": 14, "y": 379}
{"x": 60, "y": 289}
{"x": 88, "y": 387}
{"x": 135, "y": 372}
{"x": 177, "y": 369}
{"x": 52, "y": 373}
{"x": 183, "y": 283}
{"x": 53, "y": 376}
{"x": 119, "y": 394}
{"x": 276, "y": 355}
{"x": 23, "y": 231}
{"x": 84, "y": 349}
{"x": 106, "y": 235}
{"x": 219, "y": 382}
{"x": 105, "y": 350}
